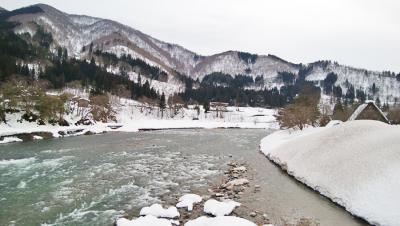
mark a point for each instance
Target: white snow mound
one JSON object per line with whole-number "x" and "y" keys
{"x": 10, "y": 140}
{"x": 188, "y": 200}
{"x": 220, "y": 221}
{"x": 218, "y": 208}
{"x": 143, "y": 221}
{"x": 157, "y": 210}
{"x": 356, "y": 164}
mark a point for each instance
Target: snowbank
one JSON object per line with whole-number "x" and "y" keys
{"x": 157, "y": 210}
{"x": 220, "y": 221}
{"x": 356, "y": 164}
{"x": 218, "y": 208}
{"x": 144, "y": 221}
{"x": 188, "y": 200}
{"x": 10, "y": 140}
{"x": 133, "y": 116}
{"x": 35, "y": 137}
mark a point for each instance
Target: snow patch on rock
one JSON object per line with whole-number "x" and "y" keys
{"x": 157, "y": 210}
{"x": 144, "y": 221}
{"x": 218, "y": 208}
{"x": 188, "y": 200}
{"x": 220, "y": 221}
{"x": 10, "y": 140}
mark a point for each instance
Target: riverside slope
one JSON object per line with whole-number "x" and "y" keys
{"x": 355, "y": 164}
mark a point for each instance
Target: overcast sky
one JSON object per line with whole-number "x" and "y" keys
{"x": 361, "y": 33}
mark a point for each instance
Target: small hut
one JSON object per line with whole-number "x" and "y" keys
{"x": 369, "y": 111}
{"x": 83, "y": 103}
{"x": 219, "y": 106}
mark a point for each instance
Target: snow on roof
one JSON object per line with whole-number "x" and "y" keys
{"x": 357, "y": 112}
{"x": 362, "y": 107}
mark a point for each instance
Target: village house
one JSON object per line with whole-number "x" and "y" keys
{"x": 369, "y": 111}
{"x": 218, "y": 106}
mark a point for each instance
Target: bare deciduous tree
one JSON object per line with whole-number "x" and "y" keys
{"x": 101, "y": 108}
{"x": 301, "y": 113}
{"x": 394, "y": 116}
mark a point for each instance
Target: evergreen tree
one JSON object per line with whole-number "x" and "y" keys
{"x": 378, "y": 102}
{"x": 350, "y": 94}
{"x": 374, "y": 89}
{"x": 162, "y": 104}
{"x": 91, "y": 48}
{"x": 337, "y": 92}
{"x": 206, "y": 107}
{"x": 329, "y": 82}
{"x": 361, "y": 96}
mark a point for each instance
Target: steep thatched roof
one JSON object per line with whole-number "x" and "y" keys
{"x": 364, "y": 106}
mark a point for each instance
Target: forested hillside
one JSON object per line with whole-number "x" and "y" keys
{"x": 45, "y": 48}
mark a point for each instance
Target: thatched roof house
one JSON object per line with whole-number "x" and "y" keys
{"x": 369, "y": 111}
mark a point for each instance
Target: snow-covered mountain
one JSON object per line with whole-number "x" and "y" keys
{"x": 387, "y": 85}
{"x": 77, "y": 33}
{"x": 2, "y": 10}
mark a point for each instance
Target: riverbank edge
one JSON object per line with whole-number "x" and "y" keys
{"x": 61, "y": 132}
{"x": 235, "y": 180}
{"x": 283, "y": 167}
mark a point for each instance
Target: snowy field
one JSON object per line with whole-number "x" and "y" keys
{"x": 133, "y": 116}
{"x": 356, "y": 164}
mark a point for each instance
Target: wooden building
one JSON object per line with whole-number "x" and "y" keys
{"x": 369, "y": 111}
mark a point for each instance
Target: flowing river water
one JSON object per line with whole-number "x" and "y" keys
{"x": 91, "y": 180}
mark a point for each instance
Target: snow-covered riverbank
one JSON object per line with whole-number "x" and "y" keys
{"x": 355, "y": 164}
{"x": 131, "y": 117}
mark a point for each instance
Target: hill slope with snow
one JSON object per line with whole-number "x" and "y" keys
{"x": 3, "y": 10}
{"x": 356, "y": 164}
{"x": 77, "y": 33}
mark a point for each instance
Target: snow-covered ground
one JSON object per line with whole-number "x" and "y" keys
{"x": 157, "y": 210}
{"x": 218, "y": 208}
{"x": 156, "y": 215}
{"x": 133, "y": 116}
{"x": 356, "y": 164}
{"x": 188, "y": 200}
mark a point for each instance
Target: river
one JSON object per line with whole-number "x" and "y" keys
{"x": 91, "y": 180}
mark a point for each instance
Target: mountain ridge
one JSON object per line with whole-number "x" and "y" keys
{"x": 49, "y": 7}
{"x": 78, "y": 32}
